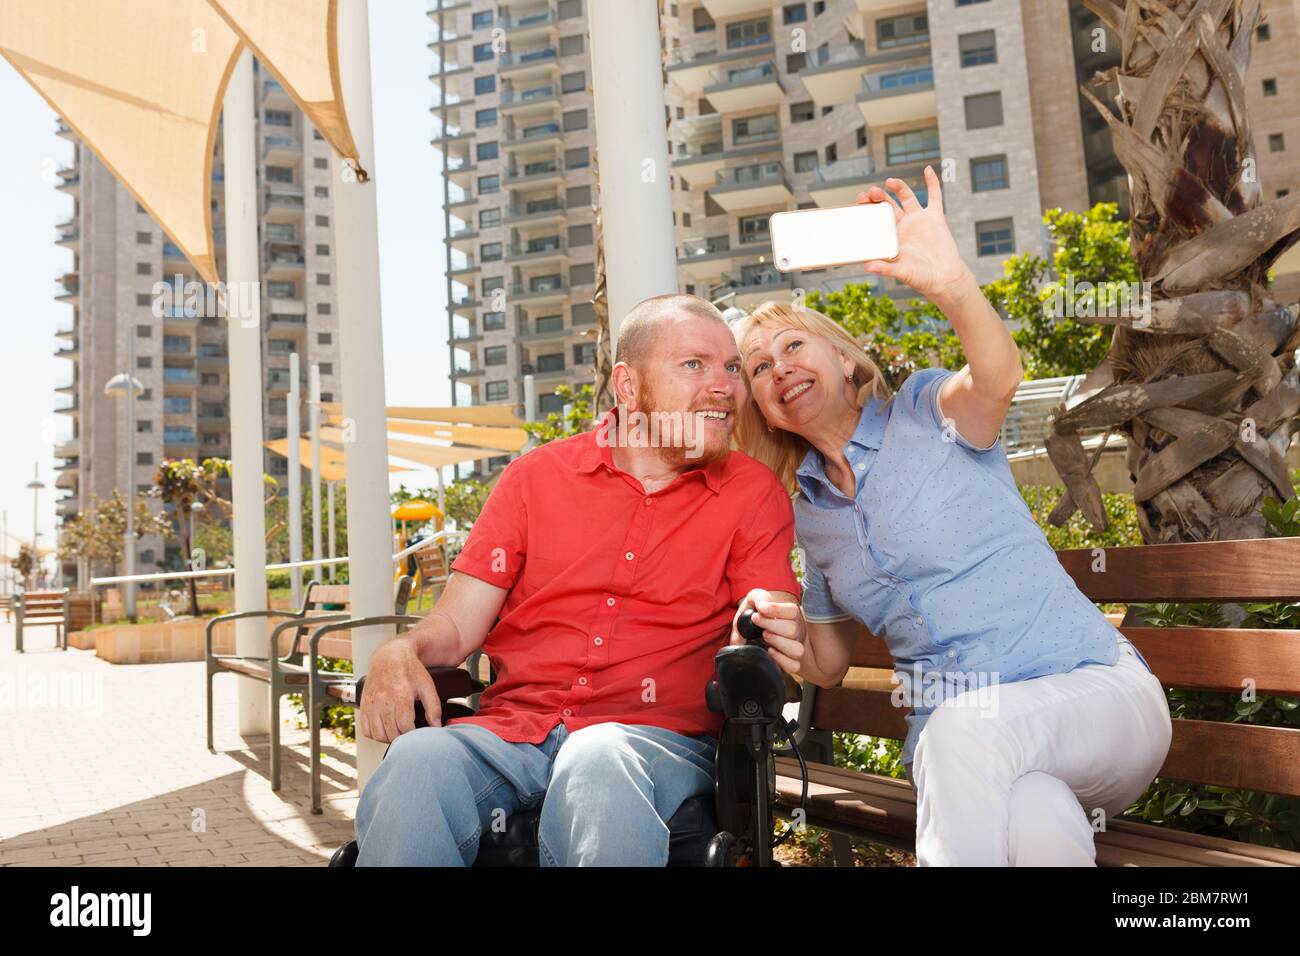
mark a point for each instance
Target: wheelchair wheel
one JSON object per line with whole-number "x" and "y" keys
{"x": 723, "y": 850}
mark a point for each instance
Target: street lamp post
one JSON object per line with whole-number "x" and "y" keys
{"x": 36, "y": 485}
{"x": 125, "y": 385}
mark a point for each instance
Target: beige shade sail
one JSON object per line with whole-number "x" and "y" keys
{"x": 498, "y": 415}
{"x": 331, "y": 459}
{"x": 140, "y": 82}
{"x": 297, "y": 40}
{"x": 502, "y": 439}
{"x": 429, "y": 456}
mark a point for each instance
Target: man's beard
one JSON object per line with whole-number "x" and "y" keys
{"x": 700, "y": 444}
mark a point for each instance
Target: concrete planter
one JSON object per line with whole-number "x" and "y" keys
{"x": 159, "y": 642}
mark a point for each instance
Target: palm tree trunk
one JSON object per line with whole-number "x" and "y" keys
{"x": 1203, "y": 381}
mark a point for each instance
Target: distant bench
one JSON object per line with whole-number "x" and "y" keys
{"x": 41, "y": 609}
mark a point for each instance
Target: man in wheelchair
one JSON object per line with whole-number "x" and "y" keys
{"x": 602, "y": 577}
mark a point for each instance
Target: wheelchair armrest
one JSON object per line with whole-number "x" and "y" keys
{"x": 451, "y": 682}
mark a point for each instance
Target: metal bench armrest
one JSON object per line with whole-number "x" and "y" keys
{"x": 236, "y": 616}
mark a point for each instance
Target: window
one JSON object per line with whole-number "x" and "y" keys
{"x": 327, "y": 368}
{"x": 755, "y": 32}
{"x": 322, "y": 249}
{"x": 322, "y": 278}
{"x": 491, "y": 284}
{"x": 147, "y": 395}
{"x": 582, "y": 313}
{"x": 144, "y": 238}
{"x": 914, "y": 146}
{"x": 278, "y": 118}
{"x": 832, "y": 153}
{"x": 968, "y": 3}
{"x": 580, "y": 235}
{"x": 576, "y": 196}
{"x": 143, "y": 298}
{"x": 819, "y": 8}
{"x": 570, "y": 46}
{"x": 753, "y": 228}
{"x": 494, "y": 355}
{"x": 754, "y": 129}
{"x": 701, "y": 21}
{"x": 584, "y": 353}
{"x": 143, "y": 427}
{"x": 277, "y": 406}
{"x": 994, "y": 238}
{"x": 988, "y": 173}
{"x": 494, "y": 321}
{"x": 324, "y": 338}
{"x": 489, "y": 217}
{"x": 575, "y": 119}
{"x": 584, "y": 274}
{"x": 279, "y": 174}
{"x": 978, "y": 49}
{"x": 489, "y": 184}
{"x": 902, "y": 31}
{"x": 496, "y": 391}
{"x": 553, "y": 362}
{"x": 480, "y": 20}
{"x": 1276, "y": 142}
{"x": 550, "y": 403}
{"x": 802, "y": 112}
{"x": 483, "y": 51}
{"x": 1262, "y": 33}
{"x": 321, "y": 162}
{"x": 486, "y": 151}
{"x": 1270, "y": 87}
{"x": 490, "y": 252}
{"x": 143, "y": 269}
{"x": 144, "y": 331}
{"x": 576, "y": 158}
{"x": 280, "y": 230}
{"x": 143, "y": 361}
{"x": 573, "y": 82}
{"x": 794, "y": 62}
{"x": 485, "y": 84}
{"x": 281, "y": 290}
{"x": 805, "y": 162}
{"x": 323, "y": 221}
{"x": 568, "y": 9}
{"x": 794, "y": 13}
{"x": 487, "y": 117}
{"x": 983, "y": 110}
{"x": 144, "y": 458}
{"x": 176, "y": 405}
{"x": 322, "y": 308}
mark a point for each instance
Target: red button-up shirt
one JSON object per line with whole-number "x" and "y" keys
{"x": 619, "y": 599}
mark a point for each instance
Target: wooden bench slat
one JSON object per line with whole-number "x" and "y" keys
{"x": 1257, "y": 569}
{"x": 858, "y": 712}
{"x": 1198, "y": 848}
{"x": 331, "y": 594}
{"x": 260, "y": 670}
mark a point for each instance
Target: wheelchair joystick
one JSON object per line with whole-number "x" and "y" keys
{"x": 749, "y": 691}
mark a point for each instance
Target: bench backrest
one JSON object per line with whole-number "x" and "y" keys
{"x": 1236, "y": 755}
{"x": 337, "y": 599}
{"x": 432, "y": 563}
{"x": 42, "y": 607}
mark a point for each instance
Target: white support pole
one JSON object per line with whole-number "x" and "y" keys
{"x": 333, "y": 536}
{"x": 361, "y": 352}
{"x": 295, "y": 480}
{"x": 632, "y": 152}
{"x": 129, "y": 543}
{"x": 442, "y": 494}
{"x": 313, "y": 420}
{"x": 246, "y": 387}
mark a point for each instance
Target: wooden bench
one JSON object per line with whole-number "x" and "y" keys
{"x": 1236, "y": 755}
{"x": 7, "y": 605}
{"x": 432, "y": 564}
{"x": 41, "y": 608}
{"x": 291, "y": 662}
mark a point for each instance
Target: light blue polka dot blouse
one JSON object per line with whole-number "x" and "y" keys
{"x": 939, "y": 555}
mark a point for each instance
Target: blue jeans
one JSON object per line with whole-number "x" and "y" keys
{"x": 606, "y": 792}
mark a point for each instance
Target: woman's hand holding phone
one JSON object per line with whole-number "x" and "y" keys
{"x": 928, "y": 260}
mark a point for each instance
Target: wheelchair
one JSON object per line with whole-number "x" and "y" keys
{"x": 730, "y": 827}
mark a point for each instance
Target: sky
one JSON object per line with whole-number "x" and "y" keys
{"x": 407, "y": 176}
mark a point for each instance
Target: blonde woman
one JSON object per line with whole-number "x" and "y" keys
{"x": 911, "y": 523}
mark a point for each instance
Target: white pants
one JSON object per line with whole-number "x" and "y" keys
{"x": 1024, "y": 783}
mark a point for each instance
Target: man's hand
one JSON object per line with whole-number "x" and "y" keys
{"x": 395, "y": 680}
{"x": 781, "y": 619}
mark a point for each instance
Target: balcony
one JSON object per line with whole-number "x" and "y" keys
{"x": 276, "y": 96}
{"x": 521, "y": 63}
{"x": 534, "y": 25}
{"x": 448, "y": 66}
{"x": 446, "y": 6}
{"x": 278, "y": 149}
{"x": 520, "y": 136}
{"x": 543, "y": 329}
{"x": 468, "y": 267}
{"x": 463, "y": 304}
{"x": 444, "y": 35}
{"x": 535, "y": 173}
{"x": 69, "y": 351}
{"x": 834, "y": 76}
{"x": 751, "y": 287}
{"x": 515, "y": 102}
{"x": 68, "y": 287}
{"x": 744, "y": 87}
{"x": 839, "y": 183}
{"x": 283, "y": 205}
{"x": 69, "y": 235}
{"x": 544, "y": 371}
{"x": 706, "y": 257}
{"x": 536, "y": 211}
{"x": 449, "y": 133}
{"x": 282, "y": 259}
{"x": 727, "y": 9}
{"x": 748, "y": 187}
{"x": 71, "y": 448}
{"x": 460, "y": 170}
{"x": 894, "y": 96}
{"x": 692, "y": 66}
{"x": 172, "y": 255}
{"x": 540, "y": 288}
{"x": 67, "y": 406}
{"x": 180, "y": 376}
{"x": 537, "y": 249}
{"x": 69, "y": 180}
{"x": 700, "y": 163}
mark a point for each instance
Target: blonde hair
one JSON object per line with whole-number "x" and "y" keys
{"x": 780, "y": 450}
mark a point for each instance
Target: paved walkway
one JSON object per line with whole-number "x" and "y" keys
{"x": 104, "y": 764}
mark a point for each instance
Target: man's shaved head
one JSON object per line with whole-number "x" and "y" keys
{"x": 651, "y": 320}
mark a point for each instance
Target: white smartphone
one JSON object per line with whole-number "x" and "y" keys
{"x": 814, "y": 238}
